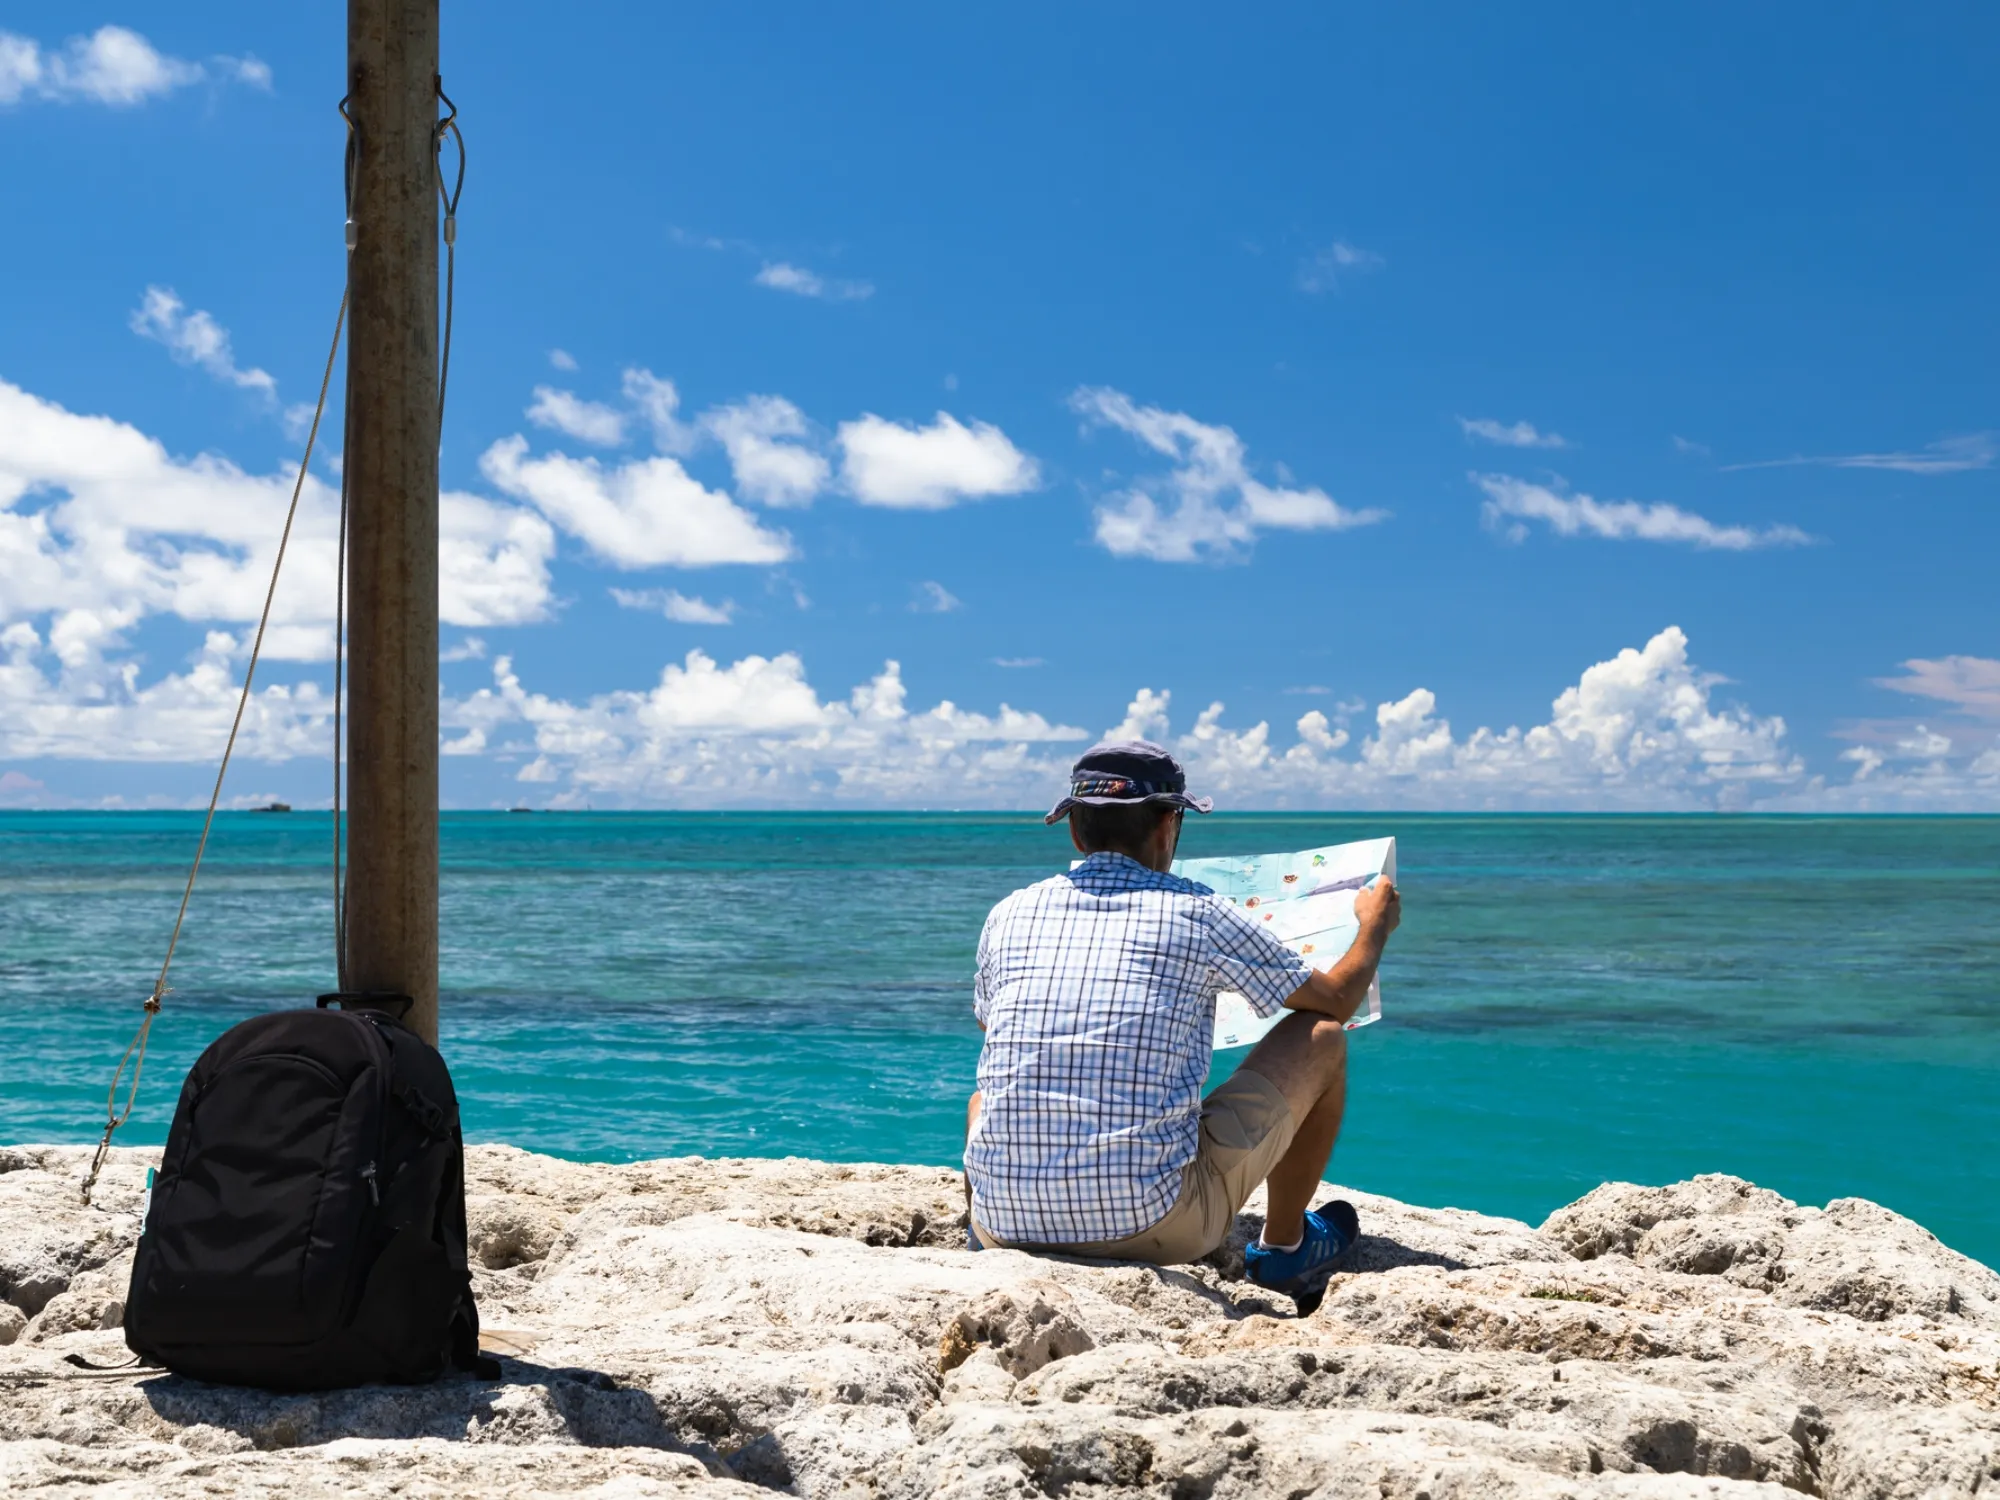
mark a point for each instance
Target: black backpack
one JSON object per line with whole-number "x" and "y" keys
{"x": 307, "y": 1226}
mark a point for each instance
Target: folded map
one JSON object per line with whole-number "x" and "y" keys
{"x": 1307, "y": 899}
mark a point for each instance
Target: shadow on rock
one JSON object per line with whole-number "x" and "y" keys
{"x": 1376, "y": 1252}
{"x": 529, "y": 1403}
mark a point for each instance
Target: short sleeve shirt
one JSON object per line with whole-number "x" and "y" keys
{"x": 1097, "y": 991}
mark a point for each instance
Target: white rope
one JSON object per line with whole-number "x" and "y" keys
{"x": 135, "y": 1051}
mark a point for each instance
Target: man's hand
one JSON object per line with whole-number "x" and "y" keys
{"x": 1379, "y": 907}
{"x": 1339, "y": 991}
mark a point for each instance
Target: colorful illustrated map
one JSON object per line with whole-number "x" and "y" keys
{"x": 1308, "y": 900}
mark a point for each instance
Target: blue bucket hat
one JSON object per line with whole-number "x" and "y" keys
{"x": 1126, "y": 773}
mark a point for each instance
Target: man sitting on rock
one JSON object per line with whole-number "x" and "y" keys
{"x": 1096, "y": 990}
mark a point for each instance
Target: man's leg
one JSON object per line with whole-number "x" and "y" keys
{"x": 971, "y": 1114}
{"x": 1305, "y": 1057}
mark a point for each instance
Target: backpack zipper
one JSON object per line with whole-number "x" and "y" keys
{"x": 368, "y": 1174}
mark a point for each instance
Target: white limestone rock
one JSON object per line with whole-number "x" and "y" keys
{"x": 1853, "y": 1256}
{"x": 714, "y": 1328}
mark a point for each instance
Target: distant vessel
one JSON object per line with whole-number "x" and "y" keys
{"x": 273, "y": 807}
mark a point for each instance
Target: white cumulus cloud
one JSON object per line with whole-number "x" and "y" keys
{"x": 87, "y": 708}
{"x": 658, "y": 403}
{"x": 1511, "y": 502}
{"x": 756, "y": 731}
{"x": 647, "y": 513}
{"x": 1641, "y": 729}
{"x": 676, "y": 606}
{"x": 112, "y": 66}
{"x": 567, "y": 413}
{"x": 195, "y": 338}
{"x": 1209, "y": 505}
{"x": 100, "y": 527}
{"x": 930, "y": 468}
{"x": 761, "y": 436}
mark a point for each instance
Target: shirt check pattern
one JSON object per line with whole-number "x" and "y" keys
{"x": 1097, "y": 991}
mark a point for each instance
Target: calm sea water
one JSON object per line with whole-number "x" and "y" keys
{"x": 1810, "y": 1003}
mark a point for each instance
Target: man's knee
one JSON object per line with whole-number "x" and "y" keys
{"x": 1329, "y": 1045}
{"x": 1326, "y": 1040}
{"x": 1305, "y": 1057}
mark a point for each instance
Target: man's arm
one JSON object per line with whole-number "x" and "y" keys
{"x": 1339, "y": 991}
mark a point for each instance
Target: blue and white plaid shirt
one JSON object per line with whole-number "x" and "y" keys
{"x": 1097, "y": 991}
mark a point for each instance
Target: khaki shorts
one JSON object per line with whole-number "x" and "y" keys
{"x": 1246, "y": 1126}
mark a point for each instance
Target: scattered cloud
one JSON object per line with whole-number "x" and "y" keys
{"x": 100, "y": 528}
{"x": 1511, "y": 503}
{"x": 1919, "y": 770}
{"x": 647, "y": 513}
{"x": 1639, "y": 730}
{"x": 783, "y": 276}
{"x": 1018, "y": 662}
{"x": 1968, "y": 683}
{"x": 562, "y": 359}
{"x": 933, "y": 598}
{"x": 493, "y": 562}
{"x": 19, "y": 789}
{"x": 659, "y": 403}
{"x": 1946, "y": 456}
{"x": 1510, "y": 435}
{"x": 58, "y": 702}
{"x": 760, "y": 436}
{"x": 195, "y": 339}
{"x": 567, "y": 413}
{"x": 1642, "y": 729}
{"x": 251, "y": 71}
{"x": 1691, "y": 448}
{"x": 1322, "y": 271}
{"x": 688, "y": 239}
{"x": 756, "y": 732}
{"x": 112, "y": 66}
{"x": 1310, "y": 690}
{"x": 930, "y": 468}
{"x": 676, "y": 606}
{"x": 1217, "y": 506}
{"x": 472, "y": 648}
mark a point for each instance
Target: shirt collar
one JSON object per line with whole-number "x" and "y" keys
{"x": 1111, "y": 862}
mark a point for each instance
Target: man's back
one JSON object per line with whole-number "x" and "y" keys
{"x": 1097, "y": 991}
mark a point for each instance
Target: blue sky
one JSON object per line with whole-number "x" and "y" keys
{"x": 1306, "y": 361}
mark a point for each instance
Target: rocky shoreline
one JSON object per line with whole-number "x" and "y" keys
{"x": 715, "y": 1328}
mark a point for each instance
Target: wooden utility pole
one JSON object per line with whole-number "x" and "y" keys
{"x": 392, "y": 479}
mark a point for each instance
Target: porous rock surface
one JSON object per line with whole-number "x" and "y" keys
{"x": 715, "y": 1328}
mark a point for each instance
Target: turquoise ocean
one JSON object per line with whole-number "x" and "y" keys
{"x": 1810, "y": 1003}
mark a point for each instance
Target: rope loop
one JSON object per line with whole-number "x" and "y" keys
{"x": 448, "y": 199}
{"x": 449, "y": 126}
{"x": 350, "y": 165}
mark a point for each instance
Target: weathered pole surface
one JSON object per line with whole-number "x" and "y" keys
{"x": 391, "y": 466}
